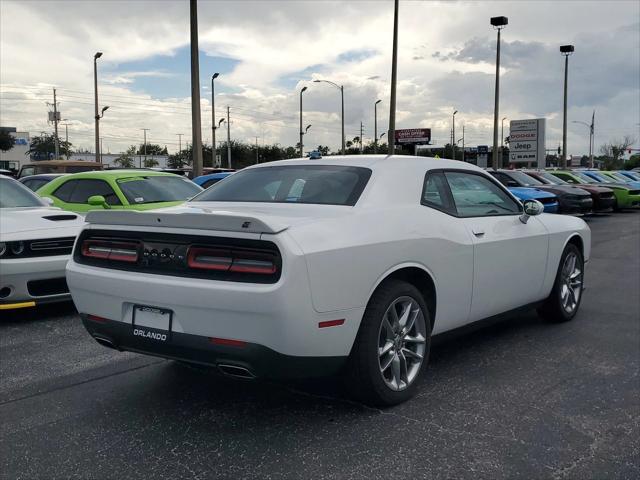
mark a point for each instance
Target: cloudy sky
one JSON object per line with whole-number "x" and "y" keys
{"x": 266, "y": 51}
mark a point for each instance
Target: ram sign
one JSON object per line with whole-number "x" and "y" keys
{"x": 526, "y": 141}
{"x": 414, "y": 136}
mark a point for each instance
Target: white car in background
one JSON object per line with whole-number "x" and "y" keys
{"x": 35, "y": 243}
{"x": 306, "y": 267}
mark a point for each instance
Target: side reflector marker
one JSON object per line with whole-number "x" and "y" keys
{"x": 331, "y": 323}
{"x": 227, "y": 342}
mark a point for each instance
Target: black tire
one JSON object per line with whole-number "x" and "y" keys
{"x": 363, "y": 377}
{"x": 553, "y": 309}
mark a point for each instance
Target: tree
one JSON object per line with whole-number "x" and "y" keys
{"x": 633, "y": 162}
{"x": 152, "y": 149}
{"x": 323, "y": 149}
{"x": 150, "y": 162}
{"x": 7, "y": 141}
{"x": 43, "y": 147}
{"x": 613, "y": 152}
{"x": 125, "y": 160}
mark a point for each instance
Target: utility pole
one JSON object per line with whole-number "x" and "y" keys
{"x": 179, "y": 141}
{"x": 228, "y": 138}
{"x": 463, "y": 143}
{"x": 196, "y": 126}
{"x": 213, "y": 120}
{"x": 375, "y": 126}
{"x": 145, "y": 146}
{"x": 257, "y": 151}
{"x": 498, "y": 23}
{"x": 101, "y": 149}
{"x": 55, "y": 126}
{"x": 565, "y": 50}
{"x": 360, "y": 138}
{"x": 97, "y": 116}
{"x": 592, "y": 139}
{"x": 301, "y": 132}
{"x": 453, "y": 135}
{"x": 66, "y": 137}
{"x": 391, "y": 136}
{"x": 502, "y": 139}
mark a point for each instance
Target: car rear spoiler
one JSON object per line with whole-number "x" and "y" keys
{"x": 219, "y": 220}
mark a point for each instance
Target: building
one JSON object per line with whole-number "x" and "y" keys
{"x": 109, "y": 158}
{"x": 17, "y": 156}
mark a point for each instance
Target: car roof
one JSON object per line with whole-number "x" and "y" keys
{"x": 374, "y": 162}
{"x": 43, "y": 175}
{"x": 120, "y": 173}
{"x": 211, "y": 176}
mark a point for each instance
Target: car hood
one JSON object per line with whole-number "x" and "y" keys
{"x": 529, "y": 192}
{"x": 225, "y": 216}
{"x": 39, "y": 222}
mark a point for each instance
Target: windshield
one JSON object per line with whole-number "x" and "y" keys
{"x": 632, "y": 175}
{"x": 524, "y": 179}
{"x": 14, "y": 194}
{"x": 551, "y": 178}
{"x": 584, "y": 178}
{"x": 602, "y": 178}
{"x": 620, "y": 177}
{"x": 157, "y": 188}
{"x": 319, "y": 184}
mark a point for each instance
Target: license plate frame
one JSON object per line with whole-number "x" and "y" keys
{"x": 148, "y": 322}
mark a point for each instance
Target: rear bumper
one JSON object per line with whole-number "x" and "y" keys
{"x": 26, "y": 282}
{"x": 258, "y": 360}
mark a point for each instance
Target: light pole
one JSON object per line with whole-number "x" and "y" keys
{"x": 304, "y": 133}
{"x": 498, "y": 23}
{"x": 196, "y": 125}
{"x": 453, "y": 134}
{"x": 502, "y": 138}
{"x": 214, "y": 145}
{"x": 591, "y": 135}
{"x": 391, "y": 136}
{"x": 66, "y": 136}
{"x": 375, "y": 126}
{"x": 565, "y": 50}
{"x": 97, "y": 116}
{"x": 228, "y": 136}
{"x": 179, "y": 141}
{"x": 341, "y": 88}
{"x": 301, "y": 132}
{"x": 145, "y": 147}
{"x": 213, "y": 120}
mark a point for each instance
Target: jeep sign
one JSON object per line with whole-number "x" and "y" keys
{"x": 526, "y": 141}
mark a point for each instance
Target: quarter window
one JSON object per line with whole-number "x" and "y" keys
{"x": 64, "y": 191}
{"x": 477, "y": 196}
{"x": 436, "y": 193}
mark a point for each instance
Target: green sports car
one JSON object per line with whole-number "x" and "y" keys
{"x": 118, "y": 189}
{"x": 627, "y": 196}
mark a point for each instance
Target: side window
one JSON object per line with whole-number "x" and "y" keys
{"x": 501, "y": 177}
{"x": 208, "y": 183}
{"x": 27, "y": 171}
{"x": 64, "y": 191}
{"x": 477, "y": 196}
{"x": 34, "y": 184}
{"x": 435, "y": 193}
{"x": 88, "y": 188}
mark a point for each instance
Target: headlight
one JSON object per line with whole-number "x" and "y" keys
{"x": 3, "y": 248}
{"x": 17, "y": 247}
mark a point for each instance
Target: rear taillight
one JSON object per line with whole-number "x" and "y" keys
{"x": 111, "y": 250}
{"x": 237, "y": 261}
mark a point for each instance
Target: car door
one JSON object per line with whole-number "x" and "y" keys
{"x": 510, "y": 257}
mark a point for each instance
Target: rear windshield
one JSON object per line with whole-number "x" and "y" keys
{"x": 14, "y": 194}
{"x": 157, "y": 188}
{"x": 317, "y": 184}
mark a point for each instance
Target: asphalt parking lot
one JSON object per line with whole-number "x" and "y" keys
{"x": 518, "y": 399}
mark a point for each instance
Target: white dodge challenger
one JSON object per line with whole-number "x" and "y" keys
{"x": 35, "y": 243}
{"x": 308, "y": 267}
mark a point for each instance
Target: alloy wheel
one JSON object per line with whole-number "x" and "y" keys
{"x": 571, "y": 282}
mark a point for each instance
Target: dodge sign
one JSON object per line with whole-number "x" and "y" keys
{"x": 526, "y": 141}
{"x": 414, "y": 136}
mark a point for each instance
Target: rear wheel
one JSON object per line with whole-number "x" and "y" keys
{"x": 392, "y": 346}
{"x": 564, "y": 300}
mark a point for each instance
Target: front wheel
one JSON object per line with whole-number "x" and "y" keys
{"x": 564, "y": 300}
{"x": 392, "y": 345}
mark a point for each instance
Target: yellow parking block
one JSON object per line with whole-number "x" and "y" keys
{"x": 12, "y": 306}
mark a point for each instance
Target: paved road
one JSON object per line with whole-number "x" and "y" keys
{"x": 521, "y": 399}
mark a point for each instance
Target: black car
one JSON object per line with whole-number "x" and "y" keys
{"x": 571, "y": 199}
{"x": 34, "y": 182}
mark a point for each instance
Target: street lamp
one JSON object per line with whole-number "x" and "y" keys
{"x": 453, "y": 134}
{"x": 391, "y": 137}
{"x": 565, "y": 50}
{"x": 97, "y": 117}
{"x": 301, "y": 132}
{"x": 341, "y": 88}
{"x": 213, "y": 120}
{"x": 591, "y": 135}
{"x": 375, "y": 126}
{"x": 498, "y": 23}
{"x": 502, "y": 138}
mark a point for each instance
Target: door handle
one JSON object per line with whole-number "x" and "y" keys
{"x": 478, "y": 232}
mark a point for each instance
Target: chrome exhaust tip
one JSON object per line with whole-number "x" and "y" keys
{"x": 236, "y": 371}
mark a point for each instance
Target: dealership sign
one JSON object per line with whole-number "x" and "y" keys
{"x": 526, "y": 141}
{"x": 413, "y": 136}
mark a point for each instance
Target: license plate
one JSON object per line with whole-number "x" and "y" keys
{"x": 151, "y": 322}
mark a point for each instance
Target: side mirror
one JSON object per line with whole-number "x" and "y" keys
{"x": 98, "y": 201}
{"x": 48, "y": 201}
{"x": 531, "y": 209}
